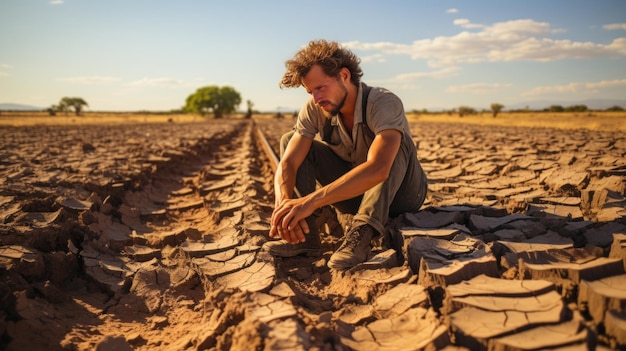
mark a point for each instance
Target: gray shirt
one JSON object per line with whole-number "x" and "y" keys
{"x": 384, "y": 111}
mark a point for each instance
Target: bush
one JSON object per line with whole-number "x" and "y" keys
{"x": 576, "y": 108}
{"x": 465, "y": 110}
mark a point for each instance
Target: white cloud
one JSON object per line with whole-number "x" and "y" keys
{"x": 618, "y": 45}
{"x": 452, "y": 10}
{"x": 465, "y": 23}
{"x": 571, "y": 88}
{"x": 56, "y": 2}
{"x": 575, "y": 88}
{"x": 374, "y": 58}
{"x": 89, "y": 80}
{"x": 516, "y": 40}
{"x": 444, "y": 72}
{"x": 615, "y": 26}
{"x": 478, "y": 88}
{"x": 159, "y": 82}
{"x": 406, "y": 81}
{"x": 4, "y": 66}
{"x": 607, "y": 83}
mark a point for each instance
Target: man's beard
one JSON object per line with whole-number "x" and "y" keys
{"x": 337, "y": 108}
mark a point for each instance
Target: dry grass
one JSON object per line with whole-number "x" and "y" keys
{"x": 42, "y": 118}
{"x": 605, "y": 121}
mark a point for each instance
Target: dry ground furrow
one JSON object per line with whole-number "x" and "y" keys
{"x": 131, "y": 263}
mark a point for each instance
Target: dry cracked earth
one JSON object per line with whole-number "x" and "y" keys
{"x": 149, "y": 237}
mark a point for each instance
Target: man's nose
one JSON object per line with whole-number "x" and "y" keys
{"x": 317, "y": 97}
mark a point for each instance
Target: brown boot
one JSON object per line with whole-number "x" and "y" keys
{"x": 312, "y": 246}
{"x": 355, "y": 248}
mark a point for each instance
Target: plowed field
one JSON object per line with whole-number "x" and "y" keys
{"x": 148, "y": 236}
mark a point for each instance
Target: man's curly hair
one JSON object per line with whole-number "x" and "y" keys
{"x": 330, "y": 55}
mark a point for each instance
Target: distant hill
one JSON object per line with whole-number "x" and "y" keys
{"x": 592, "y": 104}
{"x": 19, "y": 107}
{"x": 538, "y": 105}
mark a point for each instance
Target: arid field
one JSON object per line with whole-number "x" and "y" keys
{"x": 592, "y": 120}
{"x": 144, "y": 232}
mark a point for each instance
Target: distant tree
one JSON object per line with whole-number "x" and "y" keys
{"x": 465, "y": 110}
{"x": 496, "y": 108}
{"x": 62, "y": 107}
{"x": 576, "y": 108}
{"x": 75, "y": 103}
{"x": 249, "y": 112}
{"x": 219, "y": 100}
{"x": 556, "y": 108}
{"x": 52, "y": 110}
{"x": 615, "y": 108}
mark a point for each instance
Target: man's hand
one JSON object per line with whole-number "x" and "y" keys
{"x": 289, "y": 220}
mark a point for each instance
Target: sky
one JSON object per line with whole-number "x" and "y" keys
{"x": 132, "y": 55}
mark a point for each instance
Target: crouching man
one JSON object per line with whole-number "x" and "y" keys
{"x": 366, "y": 161}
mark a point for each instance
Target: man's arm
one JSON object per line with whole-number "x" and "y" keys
{"x": 285, "y": 177}
{"x": 373, "y": 171}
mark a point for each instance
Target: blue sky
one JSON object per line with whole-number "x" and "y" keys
{"x": 128, "y": 55}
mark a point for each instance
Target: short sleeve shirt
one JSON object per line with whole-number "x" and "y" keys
{"x": 384, "y": 111}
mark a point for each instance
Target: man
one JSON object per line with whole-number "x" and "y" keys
{"x": 366, "y": 168}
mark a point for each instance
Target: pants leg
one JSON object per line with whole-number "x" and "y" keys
{"x": 403, "y": 191}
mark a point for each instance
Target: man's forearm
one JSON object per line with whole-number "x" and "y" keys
{"x": 354, "y": 183}
{"x": 284, "y": 183}
{"x": 366, "y": 175}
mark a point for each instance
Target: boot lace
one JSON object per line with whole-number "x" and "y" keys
{"x": 352, "y": 240}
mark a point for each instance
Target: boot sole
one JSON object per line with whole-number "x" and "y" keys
{"x": 294, "y": 253}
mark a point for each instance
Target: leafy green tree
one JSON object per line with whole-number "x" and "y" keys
{"x": 576, "y": 108}
{"x": 61, "y": 107}
{"x": 74, "y": 103}
{"x": 556, "y": 108}
{"x": 202, "y": 101}
{"x": 466, "y": 110}
{"x": 219, "y": 100}
{"x": 496, "y": 108}
{"x": 52, "y": 110}
{"x": 615, "y": 108}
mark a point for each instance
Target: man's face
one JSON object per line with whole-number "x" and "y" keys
{"x": 328, "y": 92}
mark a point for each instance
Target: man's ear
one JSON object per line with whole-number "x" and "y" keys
{"x": 345, "y": 75}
